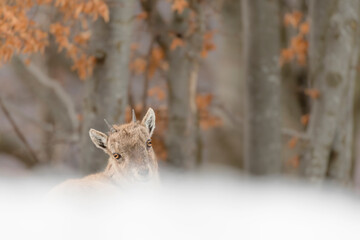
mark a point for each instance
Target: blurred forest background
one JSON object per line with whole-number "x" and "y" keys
{"x": 266, "y": 87}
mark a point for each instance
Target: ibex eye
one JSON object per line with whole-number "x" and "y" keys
{"x": 148, "y": 143}
{"x": 116, "y": 155}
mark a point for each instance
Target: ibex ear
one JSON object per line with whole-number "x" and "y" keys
{"x": 149, "y": 121}
{"x": 98, "y": 138}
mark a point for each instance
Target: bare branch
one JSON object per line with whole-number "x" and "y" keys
{"x": 227, "y": 114}
{"x": 13, "y": 147}
{"x": 50, "y": 93}
{"x": 293, "y": 133}
{"x": 146, "y": 80}
{"x": 158, "y": 27}
{"x": 18, "y": 132}
{"x": 44, "y": 126}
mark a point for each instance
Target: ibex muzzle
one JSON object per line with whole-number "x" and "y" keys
{"x": 130, "y": 149}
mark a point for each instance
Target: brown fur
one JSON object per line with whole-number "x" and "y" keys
{"x": 130, "y": 141}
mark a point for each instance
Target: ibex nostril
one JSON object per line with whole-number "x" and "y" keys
{"x": 144, "y": 172}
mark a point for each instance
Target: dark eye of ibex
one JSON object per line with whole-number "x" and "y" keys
{"x": 148, "y": 143}
{"x": 116, "y": 155}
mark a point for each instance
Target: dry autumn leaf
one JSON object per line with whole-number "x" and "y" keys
{"x": 103, "y": 10}
{"x": 203, "y": 101}
{"x": 305, "y": 119}
{"x": 179, "y": 6}
{"x": 286, "y": 55}
{"x": 294, "y": 161}
{"x": 304, "y": 28}
{"x": 138, "y": 66}
{"x": 82, "y": 38}
{"x": 21, "y": 35}
{"x": 292, "y": 142}
{"x": 80, "y": 117}
{"x": 312, "y": 93}
{"x": 208, "y": 44}
{"x": 176, "y": 42}
{"x": 210, "y": 122}
{"x": 156, "y": 61}
{"x": 207, "y": 120}
{"x": 301, "y": 59}
{"x": 157, "y": 92}
{"x": 84, "y": 66}
{"x": 142, "y": 16}
{"x": 293, "y": 18}
{"x": 134, "y": 47}
{"x": 27, "y": 61}
{"x": 299, "y": 45}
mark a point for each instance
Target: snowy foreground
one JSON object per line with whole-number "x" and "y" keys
{"x": 222, "y": 207}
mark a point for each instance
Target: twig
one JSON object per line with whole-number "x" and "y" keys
{"x": 50, "y": 93}
{"x": 42, "y": 125}
{"x": 17, "y": 131}
{"x": 130, "y": 93}
{"x": 146, "y": 80}
{"x": 233, "y": 118}
{"x": 11, "y": 145}
{"x": 293, "y": 133}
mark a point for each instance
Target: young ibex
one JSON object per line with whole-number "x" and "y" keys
{"x": 131, "y": 156}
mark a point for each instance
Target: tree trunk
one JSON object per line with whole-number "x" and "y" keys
{"x": 356, "y": 165}
{"x": 333, "y": 60}
{"x": 182, "y": 139}
{"x": 293, "y": 77}
{"x": 107, "y": 91}
{"x": 224, "y": 142}
{"x": 183, "y": 136}
{"x": 262, "y": 104}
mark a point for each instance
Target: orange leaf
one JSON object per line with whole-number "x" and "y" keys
{"x": 210, "y": 122}
{"x": 142, "y": 16}
{"x": 301, "y": 59}
{"x": 103, "y": 11}
{"x": 80, "y": 117}
{"x": 138, "y": 66}
{"x": 207, "y": 120}
{"x": 297, "y": 15}
{"x": 27, "y": 61}
{"x": 293, "y": 18}
{"x": 292, "y": 142}
{"x": 158, "y": 92}
{"x": 287, "y": 55}
{"x": 179, "y": 5}
{"x": 134, "y": 46}
{"x": 203, "y": 101}
{"x": 294, "y": 161}
{"x": 208, "y": 44}
{"x": 78, "y": 10}
{"x": 304, "y": 28}
{"x": 312, "y": 93}
{"x": 82, "y": 38}
{"x": 156, "y": 61}
{"x": 176, "y": 42}
{"x": 58, "y": 29}
{"x": 305, "y": 119}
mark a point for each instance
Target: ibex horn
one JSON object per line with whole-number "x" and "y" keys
{"x": 133, "y": 116}
{"x": 112, "y": 129}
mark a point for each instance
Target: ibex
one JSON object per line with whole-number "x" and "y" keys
{"x": 131, "y": 156}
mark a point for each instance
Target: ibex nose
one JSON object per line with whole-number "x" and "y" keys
{"x": 144, "y": 172}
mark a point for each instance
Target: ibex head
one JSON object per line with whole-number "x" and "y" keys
{"x": 130, "y": 150}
